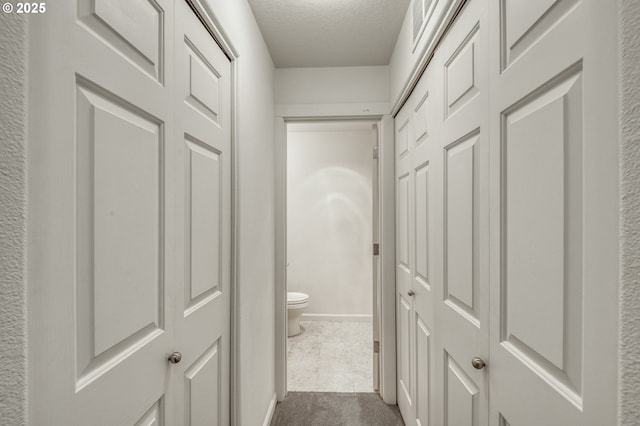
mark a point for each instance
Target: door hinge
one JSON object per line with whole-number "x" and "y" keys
{"x": 376, "y": 249}
{"x": 376, "y": 347}
{"x": 375, "y": 153}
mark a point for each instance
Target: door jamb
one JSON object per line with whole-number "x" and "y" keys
{"x": 208, "y": 18}
{"x": 387, "y": 378}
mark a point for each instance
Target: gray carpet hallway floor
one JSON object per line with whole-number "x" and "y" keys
{"x": 335, "y": 409}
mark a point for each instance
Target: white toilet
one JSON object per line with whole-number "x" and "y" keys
{"x": 296, "y": 302}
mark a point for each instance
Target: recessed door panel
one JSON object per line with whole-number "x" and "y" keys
{"x": 461, "y": 74}
{"x": 404, "y": 354}
{"x": 202, "y": 223}
{"x": 461, "y": 195}
{"x": 120, "y": 237}
{"x": 135, "y": 28}
{"x": 423, "y": 373}
{"x": 421, "y": 237}
{"x": 203, "y": 92}
{"x": 502, "y": 421}
{"x": 403, "y": 221}
{"x": 154, "y": 416}
{"x": 202, "y": 390}
{"x": 543, "y": 284}
{"x": 525, "y": 22}
{"x": 420, "y": 119}
{"x": 461, "y": 396}
{"x": 402, "y": 139}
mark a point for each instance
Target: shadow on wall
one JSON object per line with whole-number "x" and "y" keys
{"x": 329, "y": 225}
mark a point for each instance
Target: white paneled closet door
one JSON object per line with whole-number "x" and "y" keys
{"x": 442, "y": 146}
{"x": 121, "y": 172}
{"x": 203, "y": 299}
{"x": 462, "y": 307}
{"x": 424, "y": 171}
{"x": 553, "y": 213}
{"x": 404, "y": 299}
{"x": 507, "y": 222}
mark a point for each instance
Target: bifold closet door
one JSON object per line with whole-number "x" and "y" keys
{"x": 554, "y": 213}
{"x": 203, "y": 144}
{"x": 442, "y": 149}
{"x": 515, "y": 171}
{"x": 102, "y": 211}
{"x": 462, "y": 293}
{"x": 417, "y": 127}
{"x": 129, "y": 182}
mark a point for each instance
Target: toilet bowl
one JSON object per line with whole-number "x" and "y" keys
{"x": 296, "y": 302}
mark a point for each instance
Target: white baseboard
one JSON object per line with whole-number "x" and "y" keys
{"x": 270, "y": 411}
{"x": 337, "y": 317}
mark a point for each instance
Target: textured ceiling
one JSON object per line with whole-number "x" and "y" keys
{"x": 329, "y": 33}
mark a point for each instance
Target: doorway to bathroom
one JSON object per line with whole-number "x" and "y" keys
{"x": 331, "y": 172}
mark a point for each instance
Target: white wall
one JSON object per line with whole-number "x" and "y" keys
{"x": 339, "y": 91}
{"x": 255, "y": 218}
{"x": 629, "y": 51}
{"x": 13, "y": 210}
{"x": 329, "y": 214}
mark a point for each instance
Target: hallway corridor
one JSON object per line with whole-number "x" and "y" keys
{"x": 446, "y": 193}
{"x": 335, "y": 409}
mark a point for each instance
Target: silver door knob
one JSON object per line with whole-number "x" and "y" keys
{"x": 477, "y": 363}
{"x": 411, "y": 293}
{"x": 175, "y": 357}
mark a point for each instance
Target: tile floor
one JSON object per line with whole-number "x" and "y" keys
{"x": 331, "y": 357}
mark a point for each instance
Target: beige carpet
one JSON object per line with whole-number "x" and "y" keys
{"x": 335, "y": 409}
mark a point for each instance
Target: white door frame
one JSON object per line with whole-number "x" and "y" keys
{"x": 208, "y": 18}
{"x": 386, "y": 186}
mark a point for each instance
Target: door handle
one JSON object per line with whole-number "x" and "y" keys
{"x": 175, "y": 357}
{"x": 477, "y": 363}
{"x": 411, "y": 293}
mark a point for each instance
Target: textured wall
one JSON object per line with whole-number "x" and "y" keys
{"x": 13, "y": 52}
{"x": 629, "y": 22}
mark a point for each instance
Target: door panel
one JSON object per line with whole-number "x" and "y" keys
{"x": 136, "y": 30}
{"x": 462, "y": 310}
{"x": 461, "y": 72}
{"x": 404, "y": 352}
{"x": 101, "y": 214}
{"x": 202, "y": 393}
{"x": 462, "y": 405}
{"x": 130, "y": 181}
{"x": 424, "y": 165}
{"x": 417, "y": 124}
{"x": 550, "y": 315}
{"x": 542, "y": 259}
{"x": 404, "y": 258}
{"x": 202, "y": 220}
{"x": 525, "y": 23}
{"x": 153, "y": 417}
{"x": 119, "y": 166}
{"x": 422, "y": 226}
{"x": 423, "y": 372}
{"x": 461, "y": 222}
{"x": 202, "y": 102}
